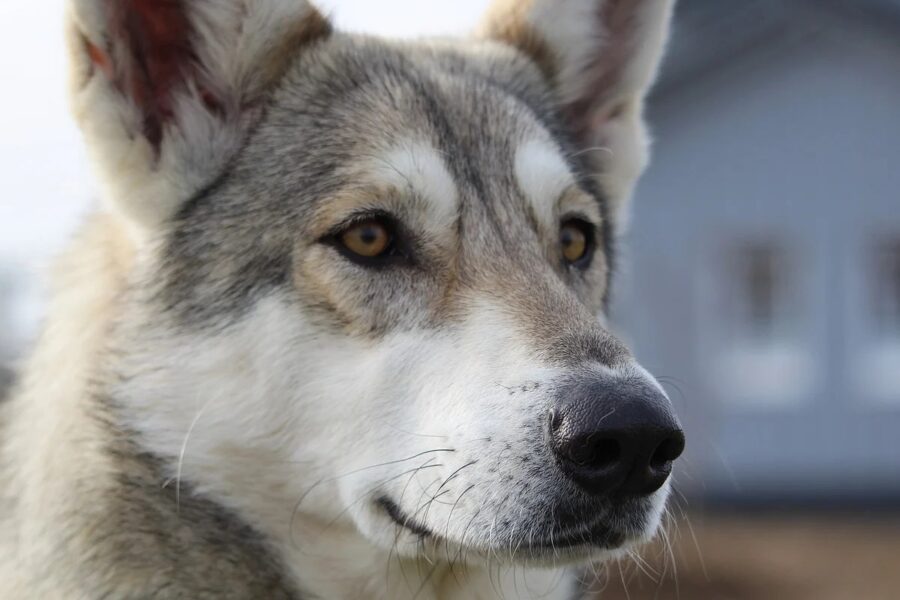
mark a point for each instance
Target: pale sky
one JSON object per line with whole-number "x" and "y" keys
{"x": 43, "y": 165}
{"x": 48, "y": 186}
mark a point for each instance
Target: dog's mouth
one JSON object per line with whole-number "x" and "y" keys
{"x": 403, "y": 520}
{"x": 588, "y": 538}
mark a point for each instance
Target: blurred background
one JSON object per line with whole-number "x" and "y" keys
{"x": 761, "y": 277}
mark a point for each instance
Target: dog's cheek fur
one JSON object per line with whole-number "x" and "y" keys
{"x": 229, "y": 408}
{"x": 364, "y": 302}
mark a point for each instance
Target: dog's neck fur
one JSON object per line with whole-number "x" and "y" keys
{"x": 87, "y": 508}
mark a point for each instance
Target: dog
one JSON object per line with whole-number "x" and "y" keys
{"x": 336, "y": 328}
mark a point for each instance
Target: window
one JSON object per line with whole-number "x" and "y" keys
{"x": 760, "y": 359}
{"x": 878, "y": 370}
{"x": 885, "y": 283}
{"x": 760, "y": 281}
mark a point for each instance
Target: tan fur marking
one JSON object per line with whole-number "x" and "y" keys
{"x": 507, "y": 22}
{"x": 57, "y": 446}
{"x": 312, "y": 28}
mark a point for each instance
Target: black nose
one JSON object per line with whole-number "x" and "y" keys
{"x": 614, "y": 437}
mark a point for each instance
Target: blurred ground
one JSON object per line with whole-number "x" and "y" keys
{"x": 844, "y": 557}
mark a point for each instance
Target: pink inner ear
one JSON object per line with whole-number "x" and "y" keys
{"x": 151, "y": 57}
{"x": 100, "y": 59}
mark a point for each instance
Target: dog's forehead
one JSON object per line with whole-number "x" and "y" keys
{"x": 434, "y": 114}
{"x": 472, "y": 133}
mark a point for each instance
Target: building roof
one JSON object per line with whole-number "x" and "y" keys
{"x": 709, "y": 34}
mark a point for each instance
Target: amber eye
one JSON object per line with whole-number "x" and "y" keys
{"x": 575, "y": 239}
{"x": 368, "y": 239}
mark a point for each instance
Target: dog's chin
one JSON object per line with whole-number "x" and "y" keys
{"x": 573, "y": 541}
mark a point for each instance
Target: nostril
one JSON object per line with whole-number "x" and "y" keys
{"x": 604, "y": 454}
{"x": 667, "y": 451}
{"x": 596, "y": 455}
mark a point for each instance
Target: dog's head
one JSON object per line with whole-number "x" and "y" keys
{"x": 370, "y": 276}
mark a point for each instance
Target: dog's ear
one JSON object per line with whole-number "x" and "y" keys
{"x": 164, "y": 90}
{"x": 600, "y": 57}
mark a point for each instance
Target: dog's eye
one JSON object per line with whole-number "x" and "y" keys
{"x": 576, "y": 238}
{"x": 368, "y": 239}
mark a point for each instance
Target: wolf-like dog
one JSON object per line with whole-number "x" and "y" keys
{"x": 336, "y": 328}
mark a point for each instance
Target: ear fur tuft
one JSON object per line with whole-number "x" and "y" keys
{"x": 600, "y": 58}
{"x": 164, "y": 90}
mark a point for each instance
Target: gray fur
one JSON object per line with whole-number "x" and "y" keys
{"x": 198, "y": 550}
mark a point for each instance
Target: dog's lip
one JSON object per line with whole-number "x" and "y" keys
{"x": 401, "y": 519}
{"x": 573, "y": 545}
{"x": 597, "y": 535}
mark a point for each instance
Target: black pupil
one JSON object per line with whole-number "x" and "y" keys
{"x": 369, "y": 235}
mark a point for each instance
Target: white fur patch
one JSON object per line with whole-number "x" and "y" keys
{"x": 543, "y": 176}
{"x": 418, "y": 165}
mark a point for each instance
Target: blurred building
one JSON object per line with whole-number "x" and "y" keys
{"x": 762, "y": 270}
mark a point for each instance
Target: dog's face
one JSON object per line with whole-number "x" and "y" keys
{"x": 371, "y": 275}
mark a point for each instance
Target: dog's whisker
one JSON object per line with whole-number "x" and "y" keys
{"x": 604, "y": 149}
{"x": 412, "y": 433}
{"x": 700, "y": 557}
{"x": 644, "y": 567}
{"x": 447, "y": 528}
{"x": 360, "y": 470}
{"x": 183, "y": 450}
{"x": 622, "y": 578}
{"x": 373, "y": 489}
{"x": 669, "y": 554}
{"x": 299, "y": 502}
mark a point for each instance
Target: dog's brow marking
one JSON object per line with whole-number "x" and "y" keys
{"x": 543, "y": 176}
{"x": 419, "y": 165}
